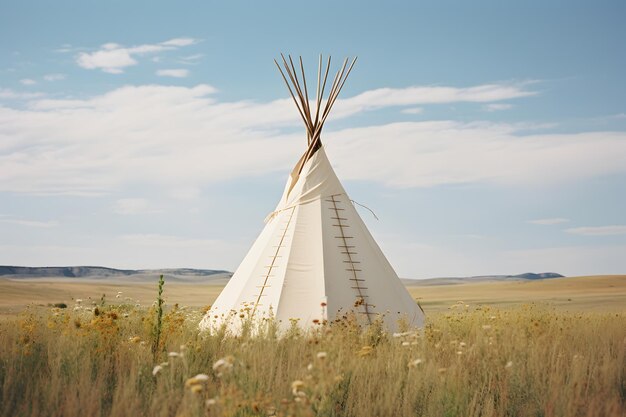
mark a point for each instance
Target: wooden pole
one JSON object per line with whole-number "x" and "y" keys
{"x": 292, "y": 95}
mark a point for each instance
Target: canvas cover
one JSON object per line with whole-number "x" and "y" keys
{"x": 315, "y": 260}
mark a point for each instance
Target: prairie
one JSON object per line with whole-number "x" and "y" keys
{"x": 542, "y": 348}
{"x": 589, "y": 293}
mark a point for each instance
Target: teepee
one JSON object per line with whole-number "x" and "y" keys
{"x": 315, "y": 260}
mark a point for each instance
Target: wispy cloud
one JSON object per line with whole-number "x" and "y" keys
{"x": 30, "y": 223}
{"x": 133, "y": 206}
{"x": 549, "y": 221}
{"x": 27, "y": 81}
{"x": 98, "y": 141}
{"x": 6, "y": 93}
{"x": 413, "y": 110}
{"x": 387, "y": 97}
{"x": 497, "y": 106}
{"x": 598, "y": 230}
{"x": 176, "y": 73}
{"x": 190, "y": 59}
{"x": 54, "y": 77}
{"x": 114, "y": 58}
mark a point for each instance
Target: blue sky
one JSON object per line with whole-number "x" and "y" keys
{"x": 487, "y": 137}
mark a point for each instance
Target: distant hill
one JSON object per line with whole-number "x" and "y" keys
{"x": 528, "y": 276}
{"x": 191, "y": 275}
{"x": 103, "y": 273}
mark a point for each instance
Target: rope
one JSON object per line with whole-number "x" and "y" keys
{"x": 371, "y": 211}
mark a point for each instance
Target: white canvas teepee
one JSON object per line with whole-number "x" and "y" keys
{"x": 315, "y": 260}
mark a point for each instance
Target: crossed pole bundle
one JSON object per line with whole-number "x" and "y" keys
{"x": 313, "y": 124}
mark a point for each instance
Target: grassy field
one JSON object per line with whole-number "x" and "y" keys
{"x": 593, "y": 293}
{"x": 549, "y": 348}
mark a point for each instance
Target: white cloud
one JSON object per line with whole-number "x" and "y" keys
{"x": 114, "y": 58}
{"x": 413, "y": 110}
{"x": 190, "y": 59}
{"x": 447, "y": 152}
{"x": 497, "y": 106}
{"x": 6, "y": 93}
{"x": 132, "y": 206}
{"x": 180, "y": 42}
{"x": 54, "y": 77}
{"x": 176, "y": 73}
{"x": 549, "y": 221}
{"x": 598, "y": 230}
{"x": 30, "y": 223}
{"x": 28, "y": 81}
{"x": 182, "y": 137}
{"x": 387, "y": 97}
{"x": 111, "y": 61}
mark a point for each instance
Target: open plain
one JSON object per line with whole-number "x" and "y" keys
{"x": 552, "y": 347}
{"x": 600, "y": 293}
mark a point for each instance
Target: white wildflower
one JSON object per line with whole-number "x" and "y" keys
{"x": 414, "y": 363}
{"x": 156, "y": 370}
{"x": 223, "y": 365}
{"x": 296, "y": 388}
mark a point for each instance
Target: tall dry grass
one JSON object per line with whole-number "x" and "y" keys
{"x": 472, "y": 361}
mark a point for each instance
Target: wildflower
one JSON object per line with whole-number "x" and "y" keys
{"x": 406, "y": 344}
{"x": 223, "y": 365}
{"x": 459, "y": 352}
{"x": 156, "y": 370}
{"x": 403, "y": 334}
{"x": 173, "y": 354}
{"x": 321, "y": 355}
{"x": 296, "y": 388}
{"x": 196, "y": 380}
{"x": 462, "y": 344}
{"x": 309, "y": 367}
{"x": 509, "y": 364}
{"x": 134, "y": 339}
{"x": 210, "y": 402}
{"x": 414, "y": 363}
